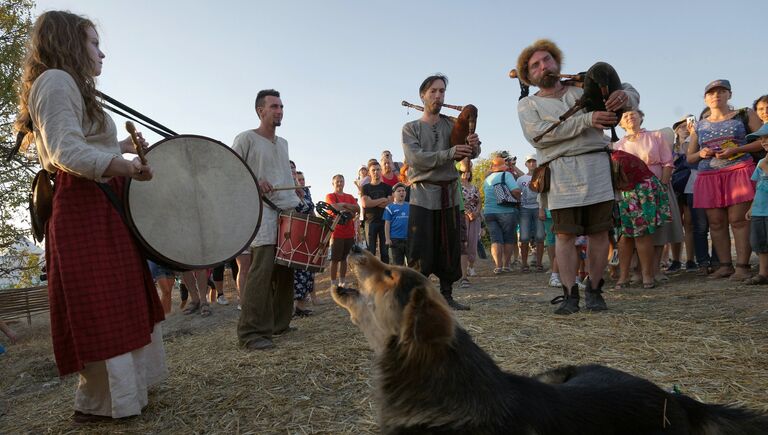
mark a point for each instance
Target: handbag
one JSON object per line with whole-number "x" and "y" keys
{"x": 41, "y": 203}
{"x": 540, "y": 179}
{"x": 504, "y": 196}
{"x": 681, "y": 174}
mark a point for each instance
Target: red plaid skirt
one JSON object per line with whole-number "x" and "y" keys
{"x": 102, "y": 297}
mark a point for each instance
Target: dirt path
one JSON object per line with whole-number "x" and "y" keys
{"x": 710, "y": 338}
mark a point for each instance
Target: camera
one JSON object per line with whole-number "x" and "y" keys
{"x": 691, "y": 120}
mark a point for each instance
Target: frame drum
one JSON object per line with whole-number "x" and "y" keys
{"x": 202, "y": 206}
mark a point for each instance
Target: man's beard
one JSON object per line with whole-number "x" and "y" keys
{"x": 548, "y": 80}
{"x": 434, "y": 108}
{"x": 277, "y": 123}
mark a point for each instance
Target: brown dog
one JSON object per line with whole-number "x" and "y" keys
{"x": 433, "y": 379}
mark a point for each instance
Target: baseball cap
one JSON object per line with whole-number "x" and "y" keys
{"x": 398, "y": 185}
{"x": 721, "y": 83}
{"x": 762, "y": 131}
{"x": 530, "y": 157}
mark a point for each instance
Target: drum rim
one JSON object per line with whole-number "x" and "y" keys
{"x": 163, "y": 258}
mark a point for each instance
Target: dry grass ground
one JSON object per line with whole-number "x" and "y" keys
{"x": 710, "y": 338}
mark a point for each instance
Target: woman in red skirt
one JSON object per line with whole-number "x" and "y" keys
{"x": 724, "y": 186}
{"x": 105, "y": 311}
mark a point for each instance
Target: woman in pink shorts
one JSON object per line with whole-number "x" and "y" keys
{"x": 723, "y": 186}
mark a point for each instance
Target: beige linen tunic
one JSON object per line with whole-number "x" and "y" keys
{"x": 65, "y": 137}
{"x": 268, "y": 161}
{"x": 579, "y": 177}
{"x": 429, "y": 155}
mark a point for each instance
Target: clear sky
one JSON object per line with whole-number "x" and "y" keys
{"x": 343, "y": 67}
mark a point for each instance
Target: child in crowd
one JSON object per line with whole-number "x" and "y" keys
{"x": 549, "y": 244}
{"x": 8, "y": 333}
{"x": 396, "y": 225}
{"x": 758, "y": 215}
{"x": 581, "y": 248}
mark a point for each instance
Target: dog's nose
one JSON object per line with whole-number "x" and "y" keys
{"x": 356, "y": 249}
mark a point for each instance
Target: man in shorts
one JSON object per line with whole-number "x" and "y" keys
{"x": 581, "y": 194}
{"x": 343, "y": 236}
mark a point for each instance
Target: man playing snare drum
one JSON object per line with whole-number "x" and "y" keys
{"x": 267, "y": 300}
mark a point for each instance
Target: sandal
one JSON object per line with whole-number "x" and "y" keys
{"x": 298, "y": 312}
{"x": 743, "y": 271}
{"x": 192, "y": 308}
{"x": 649, "y": 285}
{"x": 205, "y": 310}
{"x": 497, "y": 271}
{"x": 756, "y": 280}
{"x": 525, "y": 269}
{"x": 622, "y": 285}
{"x": 540, "y": 268}
{"x": 724, "y": 271}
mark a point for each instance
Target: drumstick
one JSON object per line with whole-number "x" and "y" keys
{"x": 278, "y": 188}
{"x": 136, "y": 142}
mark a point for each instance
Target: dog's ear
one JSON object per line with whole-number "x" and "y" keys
{"x": 426, "y": 320}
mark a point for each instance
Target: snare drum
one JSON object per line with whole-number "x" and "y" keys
{"x": 202, "y": 206}
{"x": 302, "y": 241}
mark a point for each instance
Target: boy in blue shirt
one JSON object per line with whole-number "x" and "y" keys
{"x": 758, "y": 214}
{"x": 396, "y": 225}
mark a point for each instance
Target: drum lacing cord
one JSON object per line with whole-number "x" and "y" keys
{"x": 287, "y": 243}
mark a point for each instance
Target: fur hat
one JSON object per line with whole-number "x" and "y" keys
{"x": 525, "y": 56}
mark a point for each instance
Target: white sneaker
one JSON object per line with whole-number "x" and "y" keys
{"x": 222, "y": 300}
{"x": 471, "y": 271}
{"x": 614, "y": 261}
{"x": 239, "y": 307}
{"x": 555, "y": 282}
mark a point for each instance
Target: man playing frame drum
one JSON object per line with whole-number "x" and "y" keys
{"x": 267, "y": 300}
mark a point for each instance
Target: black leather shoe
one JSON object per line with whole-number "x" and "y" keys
{"x": 456, "y": 306}
{"x": 260, "y": 343}
{"x": 569, "y": 302}
{"x": 593, "y": 298}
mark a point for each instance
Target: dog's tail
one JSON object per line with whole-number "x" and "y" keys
{"x": 722, "y": 419}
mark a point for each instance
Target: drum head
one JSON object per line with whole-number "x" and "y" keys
{"x": 202, "y": 206}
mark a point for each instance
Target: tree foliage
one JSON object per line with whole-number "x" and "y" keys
{"x": 15, "y": 175}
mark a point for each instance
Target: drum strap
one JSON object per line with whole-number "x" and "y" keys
{"x": 147, "y": 121}
{"x": 112, "y": 196}
{"x": 271, "y": 204}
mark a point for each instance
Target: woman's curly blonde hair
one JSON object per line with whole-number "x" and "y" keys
{"x": 58, "y": 41}
{"x": 525, "y": 56}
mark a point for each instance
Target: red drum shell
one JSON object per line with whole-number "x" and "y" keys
{"x": 302, "y": 241}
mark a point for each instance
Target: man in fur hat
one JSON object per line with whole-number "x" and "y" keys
{"x": 433, "y": 238}
{"x": 581, "y": 194}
